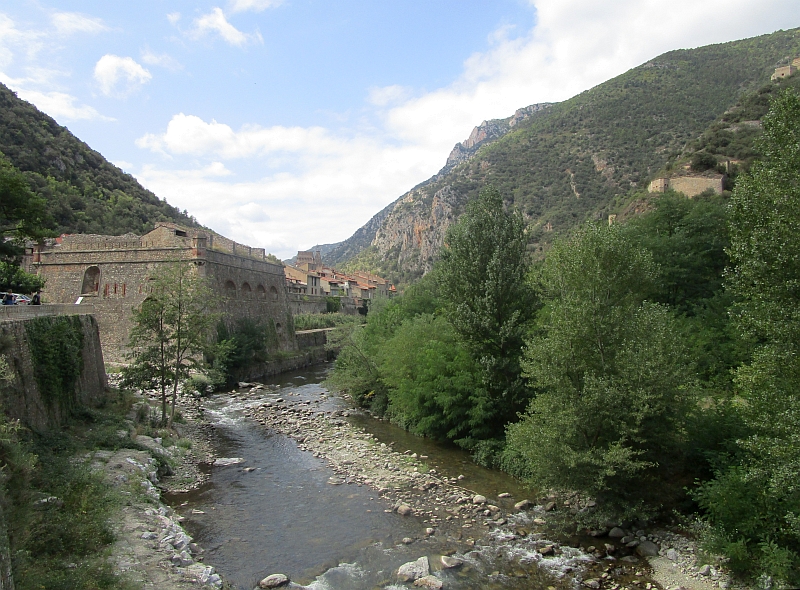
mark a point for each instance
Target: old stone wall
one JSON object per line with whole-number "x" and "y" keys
{"x": 692, "y": 186}
{"x": 312, "y": 338}
{"x": 299, "y": 304}
{"x": 22, "y": 398}
{"x": 112, "y": 274}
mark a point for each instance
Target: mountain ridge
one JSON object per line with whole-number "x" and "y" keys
{"x": 576, "y": 160}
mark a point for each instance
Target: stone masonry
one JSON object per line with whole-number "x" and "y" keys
{"x": 112, "y": 273}
{"x": 690, "y": 186}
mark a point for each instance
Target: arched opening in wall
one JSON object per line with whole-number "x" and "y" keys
{"x": 278, "y": 328}
{"x": 91, "y": 281}
{"x": 273, "y": 293}
{"x": 247, "y": 292}
{"x": 261, "y": 292}
{"x": 230, "y": 289}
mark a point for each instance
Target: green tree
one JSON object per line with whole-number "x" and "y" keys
{"x": 611, "y": 376}
{"x": 488, "y": 301}
{"x": 22, "y": 217}
{"x": 433, "y": 387}
{"x": 171, "y": 332}
{"x": 754, "y": 502}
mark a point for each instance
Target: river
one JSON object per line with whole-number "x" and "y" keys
{"x": 278, "y": 512}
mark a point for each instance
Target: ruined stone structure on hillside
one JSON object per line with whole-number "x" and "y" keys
{"x": 112, "y": 272}
{"x": 690, "y": 185}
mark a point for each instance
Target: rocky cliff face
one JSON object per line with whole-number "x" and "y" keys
{"x": 413, "y": 232}
{"x": 487, "y": 132}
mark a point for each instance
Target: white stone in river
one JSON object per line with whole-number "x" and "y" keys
{"x": 478, "y": 499}
{"x": 224, "y": 461}
{"x": 414, "y": 570}
{"x": 274, "y": 581}
{"x": 451, "y": 562}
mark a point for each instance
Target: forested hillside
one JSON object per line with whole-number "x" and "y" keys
{"x": 583, "y": 158}
{"x": 84, "y": 192}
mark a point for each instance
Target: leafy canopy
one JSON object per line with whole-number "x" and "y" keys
{"x": 487, "y": 299}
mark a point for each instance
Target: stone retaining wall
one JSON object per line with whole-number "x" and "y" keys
{"x": 22, "y": 400}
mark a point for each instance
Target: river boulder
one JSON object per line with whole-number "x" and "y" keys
{"x": 274, "y": 581}
{"x": 431, "y": 582}
{"x": 647, "y": 549}
{"x": 451, "y": 562}
{"x": 616, "y": 533}
{"x": 404, "y": 510}
{"x": 414, "y": 570}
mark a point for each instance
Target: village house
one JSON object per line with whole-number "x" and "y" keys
{"x": 310, "y": 276}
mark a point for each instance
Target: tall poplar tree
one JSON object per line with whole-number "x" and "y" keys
{"x": 488, "y": 301}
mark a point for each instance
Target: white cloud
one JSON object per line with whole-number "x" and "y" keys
{"x": 386, "y": 95}
{"x": 215, "y": 22}
{"x": 162, "y": 60}
{"x": 17, "y": 41}
{"x": 174, "y": 17}
{"x": 190, "y": 135}
{"x": 254, "y": 5}
{"x": 61, "y": 106}
{"x": 112, "y": 70}
{"x": 320, "y": 185}
{"x": 68, "y": 23}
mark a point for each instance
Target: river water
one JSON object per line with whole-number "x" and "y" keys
{"x": 276, "y": 512}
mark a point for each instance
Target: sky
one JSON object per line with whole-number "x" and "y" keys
{"x": 288, "y": 123}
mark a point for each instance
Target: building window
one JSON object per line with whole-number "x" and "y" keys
{"x": 273, "y": 293}
{"x": 230, "y": 289}
{"x": 91, "y": 281}
{"x": 246, "y": 290}
{"x": 261, "y": 292}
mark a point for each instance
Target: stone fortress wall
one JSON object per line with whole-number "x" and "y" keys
{"x": 113, "y": 272}
{"x": 690, "y": 186}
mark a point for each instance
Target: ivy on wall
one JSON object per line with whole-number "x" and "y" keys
{"x": 56, "y": 346}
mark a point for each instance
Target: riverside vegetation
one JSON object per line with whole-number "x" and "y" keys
{"x": 649, "y": 365}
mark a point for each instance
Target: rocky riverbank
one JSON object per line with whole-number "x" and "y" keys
{"x": 522, "y": 528}
{"x": 152, "y": 549}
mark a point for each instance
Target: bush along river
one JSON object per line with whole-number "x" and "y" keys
{"x": 307, "y": 489}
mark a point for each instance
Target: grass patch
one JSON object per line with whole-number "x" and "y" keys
{"x": 315, "y": 321}
{"x": 57, "y": 510}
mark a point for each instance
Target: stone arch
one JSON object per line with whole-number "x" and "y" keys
{"x": 261, "y": 292}
{"x": 278, "y": 328}
{"x": 273, "y": 293}
{"x": 91, "y": 281}
{"x": 230, "y": 289}
{"x": 246, "y": 290}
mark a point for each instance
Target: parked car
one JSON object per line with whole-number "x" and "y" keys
{"x": 20, "y": 299}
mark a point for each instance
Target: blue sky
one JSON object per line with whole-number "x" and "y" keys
{"x": 285, "y": 123}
